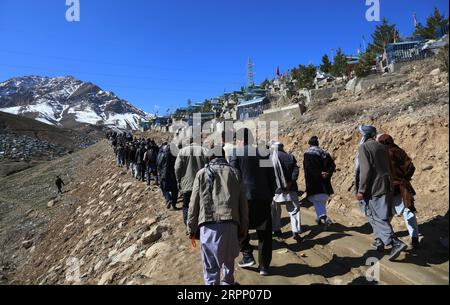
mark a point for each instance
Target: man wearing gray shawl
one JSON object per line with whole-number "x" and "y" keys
{"x": 286, "y": 175}
{"x": 374, "y": 189}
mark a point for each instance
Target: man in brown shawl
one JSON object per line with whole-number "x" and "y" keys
{"x": 402, "y": 170}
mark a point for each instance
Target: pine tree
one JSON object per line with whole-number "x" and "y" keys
{"x": 339, "y": 64}
{"x": 365, "y": 64}
{"x": 326, "y": 65}
{"x": 264, "y": 84}
{"x": 434, "y": 21}
{"x": 207, "y": 106}
{"x": 384, "y": 34}
{"x": 305, "y": 76}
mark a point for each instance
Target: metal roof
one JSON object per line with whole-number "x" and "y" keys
{"x": 251, "y": 102}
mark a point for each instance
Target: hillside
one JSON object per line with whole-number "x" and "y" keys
{"x": 119, "y": 232}
{"x": 25, "y": 142}
{"x": 67, "y": 102}
{"x": 412, "y": 107}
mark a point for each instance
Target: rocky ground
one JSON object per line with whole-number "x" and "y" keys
{"x": 110, "y": 229}
{"x": 26, "y": 142}
{"x": 19, "y": 147}
{"x": 118, "y": 231}
{"x": 412, "y": 108}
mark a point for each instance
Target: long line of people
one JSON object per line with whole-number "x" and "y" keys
{"x": 232, "y": 188}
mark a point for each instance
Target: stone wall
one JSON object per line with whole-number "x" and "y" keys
{"x": 376, "y": 80}
{"x": 321, "y": 94}
{"x": 287, "y": 113}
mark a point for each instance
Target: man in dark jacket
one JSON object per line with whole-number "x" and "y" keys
{"x": 375, "y": 189}
{"x": 166, "y": 170}
{"x": 319, "y": 168}
{"x": 59, "y": 183}
{"x": 132, "y": 159}
{"x": 120, "y": 155}
{"x": 150, "y": 157}
{"x": 126, "y": 155}
{"x": 259, "y": 182}
{"x": 140, "y": 165}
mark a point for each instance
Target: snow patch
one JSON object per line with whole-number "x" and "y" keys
{"x": 11, "y": 110}
{"x": 86, "y": 116}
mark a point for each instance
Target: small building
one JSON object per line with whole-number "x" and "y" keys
{"x": 441, "y": 31}
{"x": 204, "y": 117}
{"x": 352, "y": 62}
{"x": 162, "y": 121}
{"x": 322, "y": 79}
{"x": 406, "y": 51}
{"x": 252, "y": 108}
{"x": 144, "y": 125}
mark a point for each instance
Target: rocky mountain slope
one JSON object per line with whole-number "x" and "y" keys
{"x": 67, "y": 102}
{"x": 24, "y": 142}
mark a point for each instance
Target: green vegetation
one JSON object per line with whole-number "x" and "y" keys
{"x": 326, "y": 65}
{"x": 434, "y": 21}
{"x": 304, "y": 75}
{"x": 339, "y": 64}
{"x": 384, "y": 34}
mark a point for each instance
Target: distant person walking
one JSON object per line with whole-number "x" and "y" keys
{"x": 259, "y": 182}
{"x": 150, "y": 158}
{"x": 286, "y": 174}
{"x": 120, "y": 155}
{"x": 189, "y": 161}
{"x": 319, "y": 168}
{"x": 374, "y": 189}
{"x": 59, "y": 184}
{"x": 218, "y": 216}
{"x": 140, "y": 164}
{"x": 166, "y": 172}
{"x": 402, "y": 170}
{"x": 132, "y": 159}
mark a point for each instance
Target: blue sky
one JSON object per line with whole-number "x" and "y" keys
{"x": 158, "y": 54}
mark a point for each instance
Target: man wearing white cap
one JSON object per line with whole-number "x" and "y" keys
{"x": 319, "y": 168}
{"x": 286, "y": 174}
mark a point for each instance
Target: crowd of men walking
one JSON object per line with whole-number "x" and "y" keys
{"x": 235, "y": 186}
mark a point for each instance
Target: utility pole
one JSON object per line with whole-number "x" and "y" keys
{"x": 250, "y": 73}
{"x": 416, "y": 23}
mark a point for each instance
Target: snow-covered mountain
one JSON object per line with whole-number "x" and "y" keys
{"x": 67, "y": 102}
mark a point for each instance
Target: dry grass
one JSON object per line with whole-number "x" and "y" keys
{"x": 343, "y": 114}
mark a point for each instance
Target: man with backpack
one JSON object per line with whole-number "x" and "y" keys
{"x": 218, "y": 217}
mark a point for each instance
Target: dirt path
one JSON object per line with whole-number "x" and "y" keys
{"x": 339, "y": 256}
{"x": 101, "y": 222}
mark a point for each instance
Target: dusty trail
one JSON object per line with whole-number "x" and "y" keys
{"x": 103, "y": 217}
